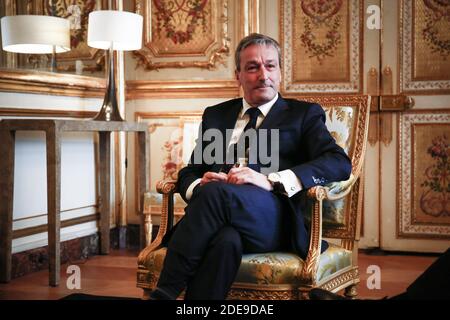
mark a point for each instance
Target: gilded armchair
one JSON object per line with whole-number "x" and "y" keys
{"x": 333, "y": 213}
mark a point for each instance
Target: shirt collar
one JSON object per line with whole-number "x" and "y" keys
{"x": 264, "y": 108}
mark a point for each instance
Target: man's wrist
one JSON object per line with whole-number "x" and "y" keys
{"x": 274, "y": 179}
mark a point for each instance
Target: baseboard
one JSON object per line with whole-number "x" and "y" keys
{"x": 73, "y": 250}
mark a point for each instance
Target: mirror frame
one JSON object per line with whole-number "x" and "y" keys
{"x": 44, "y": 82}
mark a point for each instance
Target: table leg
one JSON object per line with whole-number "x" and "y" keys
{"x": 143, "y": 152}
{"x": 53, "y": 137}
{"x": 7, "y": 146}
{"x": 105, "y": 189}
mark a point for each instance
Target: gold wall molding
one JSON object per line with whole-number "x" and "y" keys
{"x": 23, "y": 112}
{"x": 249, "y": 20}
{"x": 144, "y": 89}
{"x": 51, "y": 83}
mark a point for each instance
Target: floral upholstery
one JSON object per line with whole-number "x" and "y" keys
{"x": 339, "y": 121}
{"x": 272, "y": 267}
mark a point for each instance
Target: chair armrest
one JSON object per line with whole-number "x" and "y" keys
{"x": 167, "y": 188}
{"x": 333, "y": 191}
{"x": 308, "y": 272}
{"x": 338, "y": 190}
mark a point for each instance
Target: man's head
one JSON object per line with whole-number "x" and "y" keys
{"x": 258, "y": 59}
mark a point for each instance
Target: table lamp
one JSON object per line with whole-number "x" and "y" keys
{"x": 113, "y": 30}
{"x": 36, "y": 34}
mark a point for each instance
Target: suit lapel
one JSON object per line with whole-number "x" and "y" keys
{"x": 275, "y": 115}
{"x": 231, "y": 116}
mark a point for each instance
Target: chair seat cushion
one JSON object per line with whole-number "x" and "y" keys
{"x": 271, "y": 267}
{"x": 283, "y": 267}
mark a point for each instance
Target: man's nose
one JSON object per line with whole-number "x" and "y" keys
{"x": 263, "y": 73}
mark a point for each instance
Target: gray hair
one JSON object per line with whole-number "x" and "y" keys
{"x": 255, "y": 39}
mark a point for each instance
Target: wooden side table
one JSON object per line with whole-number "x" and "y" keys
{"x": 54, "y": 130}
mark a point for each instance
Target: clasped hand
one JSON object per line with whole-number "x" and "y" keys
{"x": 240, "y": 175}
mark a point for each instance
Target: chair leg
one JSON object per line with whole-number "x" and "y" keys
{"x": 146, "y": 294}
{"x": 351, "y": 291}
{"x": 303, "y": 294}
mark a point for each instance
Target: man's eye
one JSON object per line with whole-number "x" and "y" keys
{"x": 251, "y": 68}
{"x": 270, "y": 66}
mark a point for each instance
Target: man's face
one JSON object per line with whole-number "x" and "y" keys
{"x": 260, "y": 74}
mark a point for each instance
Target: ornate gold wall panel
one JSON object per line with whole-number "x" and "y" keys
{"x": 425, "y": 46}
{"x": 424, "y": 171}
{"x": 183, "y": 34}
{"x": 322, "y": 46}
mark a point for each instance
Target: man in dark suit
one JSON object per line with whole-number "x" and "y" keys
{"x": 254, "y": 206}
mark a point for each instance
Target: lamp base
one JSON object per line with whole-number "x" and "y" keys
{"x": 110, "y": 110}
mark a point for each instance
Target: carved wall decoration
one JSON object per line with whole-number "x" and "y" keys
{"x": 424, "y": 171}
{"x": 183, "y": 34}
{"x": 425, "y": 46}
{"x": 322, "y": 46}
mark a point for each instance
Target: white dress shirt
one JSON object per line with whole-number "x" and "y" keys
{"x": 290, "y": 181}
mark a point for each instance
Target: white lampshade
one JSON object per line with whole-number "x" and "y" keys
{"x": 122, "y": 29}
{"x": 35, "y": 34}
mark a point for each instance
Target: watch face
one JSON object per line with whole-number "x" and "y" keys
{"x": 274, "y": 177}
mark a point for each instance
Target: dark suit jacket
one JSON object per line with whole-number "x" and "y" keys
{"x": 306, "y": 148}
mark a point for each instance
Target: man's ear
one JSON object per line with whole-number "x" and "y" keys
{"x": 236, "y": 74}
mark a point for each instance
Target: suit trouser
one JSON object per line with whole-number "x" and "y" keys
{"x": 221, "y": 221}
{"x": 434, "y": 283}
